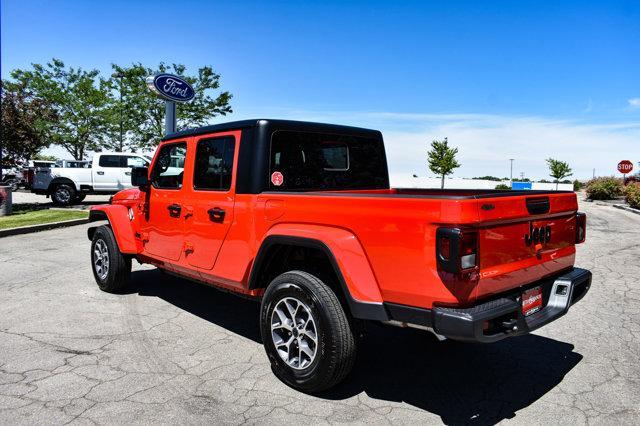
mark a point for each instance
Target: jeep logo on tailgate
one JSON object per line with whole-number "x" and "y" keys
{"x": 541, "y": 234}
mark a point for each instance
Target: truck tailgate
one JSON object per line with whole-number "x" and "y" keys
{"x": 524, "y": 239}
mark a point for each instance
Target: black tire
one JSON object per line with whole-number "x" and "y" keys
{"x": 63, "y": 194}
{"x": 336, "y": 345}
{"x": 79, "y": 198}
{"x": 118, "y": 270}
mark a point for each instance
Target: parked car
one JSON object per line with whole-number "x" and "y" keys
{"x": 301, "y": 217}
{"x": 11, "y": 177}
{"x": 71, "y": 181}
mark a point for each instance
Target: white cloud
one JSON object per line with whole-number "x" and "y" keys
{"x": 634, "y": 102}
{"x": 486, "y": 142}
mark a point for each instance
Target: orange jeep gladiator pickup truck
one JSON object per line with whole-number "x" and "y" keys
{"x": 301, "y": 217}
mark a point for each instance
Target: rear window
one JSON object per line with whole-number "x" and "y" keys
{"x": 109, "y": 161}
{"x": 322, "y": 161}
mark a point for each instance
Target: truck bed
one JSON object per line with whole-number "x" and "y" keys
{"x": 397, "y": 229}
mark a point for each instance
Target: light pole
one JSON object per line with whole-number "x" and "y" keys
{"x": 511, "y": 173}
{"x": 119, "y": 75}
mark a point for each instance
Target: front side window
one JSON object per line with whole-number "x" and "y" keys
{"x": 168, "y": 169}
{"x": 109, "y": 161}
{"x": 320, "y": 162}
{"x": 214, "y": 163}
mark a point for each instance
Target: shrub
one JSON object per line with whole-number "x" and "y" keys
{"x": 632, "y": 195}
{"x": 502, "y": 186}
{"x": 487, "y": 178}
{"x": 577, "y": 185}
{"x": 604, "y": 188}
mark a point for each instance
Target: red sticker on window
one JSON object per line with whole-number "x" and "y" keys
{"x": 277, "y": 179}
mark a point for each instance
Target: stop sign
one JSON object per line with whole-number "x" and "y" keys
{"x": 625, "y": 166}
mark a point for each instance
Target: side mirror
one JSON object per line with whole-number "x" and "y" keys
{"x": 140, "y": 177}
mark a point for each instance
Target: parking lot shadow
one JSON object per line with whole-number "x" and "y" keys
{"x": 226, "y": 310}
{"x": 461, "y": 383}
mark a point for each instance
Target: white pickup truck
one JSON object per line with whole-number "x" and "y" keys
{"x": 107, "y": 173}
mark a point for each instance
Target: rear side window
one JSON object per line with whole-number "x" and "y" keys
{"x": 214, "y": 163}
{"x": 317, "y": 161}
{"x": 168, "y": 169}
{"x": 132, "y": 161}
{"x": 109, "y": 161}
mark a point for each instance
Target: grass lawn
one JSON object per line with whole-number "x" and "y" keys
{"x": 36, "y": 217}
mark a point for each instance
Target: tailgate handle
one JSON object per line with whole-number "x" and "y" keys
{"x": 538, "y": 205}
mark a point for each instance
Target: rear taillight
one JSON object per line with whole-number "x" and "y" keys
{"x": 581, "y": 227}
{"x": 456, "y": 249}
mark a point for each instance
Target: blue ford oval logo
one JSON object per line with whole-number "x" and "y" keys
{"x": 171, "y": 87}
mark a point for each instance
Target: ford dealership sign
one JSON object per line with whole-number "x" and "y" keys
{"x": 171, "y": 87}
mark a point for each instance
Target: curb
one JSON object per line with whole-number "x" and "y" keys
{"x": 68, "y": 209}
{"x": 627, "y": 208}
{"x": 41, "y": 227}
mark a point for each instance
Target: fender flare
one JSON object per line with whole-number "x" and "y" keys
{"x": 351, "y": 266}
{"x": 59, "y": 180}
{"x": 118, "y": 218}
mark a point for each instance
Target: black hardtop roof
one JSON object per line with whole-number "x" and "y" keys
{"x": 277, "y": 124}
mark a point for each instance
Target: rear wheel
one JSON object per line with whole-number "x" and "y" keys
{"x": 63, "y": 195}
{"x": 111, "y": 268}
{"x": 306, "y": 333}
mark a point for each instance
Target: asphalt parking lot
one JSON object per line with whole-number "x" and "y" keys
{"x": 169, "y": 351}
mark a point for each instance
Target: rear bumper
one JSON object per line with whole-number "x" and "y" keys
{"x": 500, "y": 318}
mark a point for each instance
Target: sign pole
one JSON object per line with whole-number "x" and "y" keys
{"x": 172, "y": 89}
{"x": 169, "y": 117}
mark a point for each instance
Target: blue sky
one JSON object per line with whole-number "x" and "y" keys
{"x": 517, "y": 79}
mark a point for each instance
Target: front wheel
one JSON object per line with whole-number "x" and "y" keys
{"x": 111, "y": 268}
{"x": 306, "y": 333}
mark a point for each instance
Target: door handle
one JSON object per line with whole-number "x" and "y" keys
{"x": 127, "y": 173}
{"x": 100, "y": 173}
{"x": 174, "y": 210}
{"x": 216, "y": 214}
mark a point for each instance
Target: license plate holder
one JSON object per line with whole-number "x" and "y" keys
{"x": 531, "y": 301}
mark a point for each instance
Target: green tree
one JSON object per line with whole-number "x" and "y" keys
{"x": 79, "y": 98}
{"x": 25, "y": 124}
{"x": 44, "y": 157}
{"x": 442, "y": 159}
{"x": 143, "y": 112}
{"x": 559, "y": 170}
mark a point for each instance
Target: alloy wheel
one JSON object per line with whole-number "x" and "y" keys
{"x": 294, "y": 333}
{"x": 101, "y": 259}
